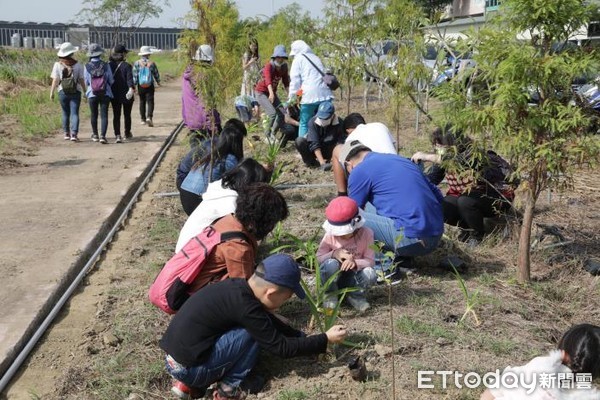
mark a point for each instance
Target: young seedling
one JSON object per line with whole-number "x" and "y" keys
{"x": 471, "y": 298}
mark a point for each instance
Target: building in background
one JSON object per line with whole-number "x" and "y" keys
{"x": 45, "y": 35}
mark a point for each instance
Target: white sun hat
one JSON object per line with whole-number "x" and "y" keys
{"x": 66, "y": 49}
{"x": 145, "y": 51}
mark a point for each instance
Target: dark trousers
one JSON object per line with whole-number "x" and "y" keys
{"x": 468, "y": 211}
{"x": 308, "y": 156}
{"x": 95, "y": 103}
{"x": 146, "y": 100}
{"x": 288, "y": 132}
{"x": 126, "y": 106}
{"x": 189, "y": 200}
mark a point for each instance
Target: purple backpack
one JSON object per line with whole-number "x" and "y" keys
{"x": 97, "y": 71}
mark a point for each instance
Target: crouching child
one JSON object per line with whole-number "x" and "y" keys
{"x": 347, "y": 247}
{"x": 217, "y": 334}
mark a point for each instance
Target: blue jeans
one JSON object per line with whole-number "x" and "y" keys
{"x": 347, "y": 279}
{"x": 70, "y": 112}
{"x": 235, "y": 353}
{"x": 101, "y": 102}
{"x": 307, "y": 111}
{"x": 394, "y": 239}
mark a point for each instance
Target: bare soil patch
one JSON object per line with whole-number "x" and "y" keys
{"x": 105, "y": 343}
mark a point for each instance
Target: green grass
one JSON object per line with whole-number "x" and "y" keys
{"x": 292, "y": 395}
{"x": 165, "y": 230}
{"x": 169, "y": 63}
{"x": 410, "y": 326}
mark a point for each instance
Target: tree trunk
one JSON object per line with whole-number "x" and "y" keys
{"x": 523, "y": 263}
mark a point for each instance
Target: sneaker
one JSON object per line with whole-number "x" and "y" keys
{"x": 225, "y": 392}
{"x": 74, "y": 138}
{"x": 182, "y": 391}
{"x": 118, "y": 139}
{"x": 143, "y": 122}
{"x": 149, "y": 123}
{"x": 67, "y": 136}
{"x": 103, "y": 140}
{"x": 95, "y": 138}
{"x": 359, "y": 303}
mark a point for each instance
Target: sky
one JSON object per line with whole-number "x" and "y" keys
{"x": 53, "y": 11}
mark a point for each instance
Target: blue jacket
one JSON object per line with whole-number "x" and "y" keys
{"x": 398, "y": 190}
{"x": 197, "y": 179}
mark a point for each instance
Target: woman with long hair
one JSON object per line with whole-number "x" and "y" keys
{"x": 211, "y": 159}
{"x": 251, "y": 67}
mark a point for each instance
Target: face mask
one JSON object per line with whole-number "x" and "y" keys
{"x": 278, "y": 63}
{"x": 324, "y": 122}
{"x": 440, "y": 151}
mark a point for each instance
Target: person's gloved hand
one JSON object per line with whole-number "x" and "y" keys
{"x": 326, "y": 167}
{"x": 129, "y": 94}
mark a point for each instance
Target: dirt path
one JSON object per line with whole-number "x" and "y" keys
{"x": 51, "y": 208}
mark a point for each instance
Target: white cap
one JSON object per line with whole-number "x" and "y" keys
{"x": 204, "y": 53}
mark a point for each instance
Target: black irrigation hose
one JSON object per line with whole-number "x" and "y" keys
{"x": 96, "y": 247}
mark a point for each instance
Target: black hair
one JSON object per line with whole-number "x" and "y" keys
{"x": 353, "y": 120}
{"x": 582, "y": 344}
{"x": 252, "y": 53}
{"x": 234, "y": 123}
{"x": 229, "y": 141}
{"x": 248, "y": 171}
{"x": 116, "y": 57}
{"x": 448, "y": 136}
{"x": 259, "y": 208}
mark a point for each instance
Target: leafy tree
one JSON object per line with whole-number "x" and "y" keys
{"x": 547, "y": 140}
{"x": 124, "y": 16}
{"x": 433, "y": 7}
{"x": 346, "y": 27}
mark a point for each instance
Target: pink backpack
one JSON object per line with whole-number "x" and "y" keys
{"x": 171, "y": 288}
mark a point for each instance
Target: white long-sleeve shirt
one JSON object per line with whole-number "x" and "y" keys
{"x": 306, "y": 77}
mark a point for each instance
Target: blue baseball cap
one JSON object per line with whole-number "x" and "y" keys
{"x": 282, "y": 270}
{"x": 325, "y": 110}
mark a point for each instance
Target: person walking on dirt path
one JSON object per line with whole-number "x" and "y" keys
{"x": 68, "y": 79}
{"x": 201, "y": 121}
{"x": 374, "y": 135}
{"x": 346, "y": 249}
{"x": 220, "y": 198}
{"x": 98, "y": 79}
{"x": 402, "y": 207}
{"x": 146, "y": 77}
{"x": 325, "y": 131}
{"x": 274, "y": 71}
{"x": 123, "y": 91}
{"x": 217, "y": 335}
{"x": 303, "y": 75}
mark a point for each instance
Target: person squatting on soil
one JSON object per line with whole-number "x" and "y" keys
{"x": 375, "y": 136}
{"x": 325, "y": 131}
{"x": 258, "y": 208}
{"x": 220, "y": 198}
{"x": 578, "y": 354}
{"x": 217, "y": 335}
{"x": 246, "y": 107}
{"x": 303, "y": 75}
{"x": 477, "y": 188}
{"x": 67, "y": 79}
{"x": 146, "y": 77}
{"x": 202, "y": 121}
{"x": 208, "y": 161}
{"x": 273, "y": 72}
{"x": 123, "y": 91}
{"x": 99, "y": 79}
{"x": 402, "y": 207}
{"x": 347, "y": 247}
